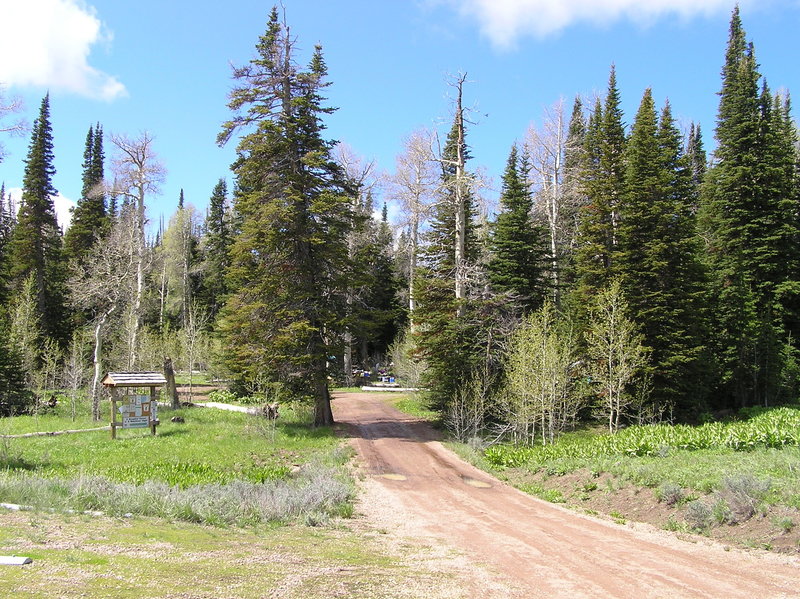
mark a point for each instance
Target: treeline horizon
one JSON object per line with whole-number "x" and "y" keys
{"x": 625, "y": 275}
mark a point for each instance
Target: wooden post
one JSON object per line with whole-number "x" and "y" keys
{"x": 153, "y": 410}
{"x": 113, "y": 413}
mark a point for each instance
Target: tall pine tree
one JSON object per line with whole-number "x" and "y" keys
{"x": 658, "y": 260}
{"x": 216, "y": 246}
{"x": 288, "y": 260}
{"x": 89, "y": 218}
{"x": 748, "y": 219}
{"x": 7, "y": 222}
{"x": 447, "y": 334}
{"x": 603, "y": 184}
{"x": 36, "y": 247}
{"x": 517, "y": 263}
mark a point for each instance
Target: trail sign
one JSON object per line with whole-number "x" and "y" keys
{"x": 136, "y": 410}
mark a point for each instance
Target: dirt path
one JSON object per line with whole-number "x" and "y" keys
{"x": 529, "y": 548}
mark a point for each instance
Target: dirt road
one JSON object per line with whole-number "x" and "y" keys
{"x": 528, "y": 547}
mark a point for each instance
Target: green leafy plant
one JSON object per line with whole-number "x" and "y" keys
{"x": 774, "y": 428}
{"x": 785, "y": 524}
{"x": 223, "y": 396}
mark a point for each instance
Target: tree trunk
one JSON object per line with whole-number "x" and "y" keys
{"x": 348, "y": 358}
{"x": 412, "y": 269}
{"x": 172, "y": 389}
{"x": 460, "y": 212}
{"x": 137, "y": 301}
{"x": 98, "y": 365}
{"x": 323, "y": 415}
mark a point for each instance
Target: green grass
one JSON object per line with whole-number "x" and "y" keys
{"x": 416, "y": 404}
{"x": 145, "y": 558}
{"x": 198, "y": 378}
{"x": 698, "y": 459}
{"x": 212, "y": 446}
{"x": 217, "y": 466}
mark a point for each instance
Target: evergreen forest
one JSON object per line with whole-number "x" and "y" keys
{"x": 625, "y": 276}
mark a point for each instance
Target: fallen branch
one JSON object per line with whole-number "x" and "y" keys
{"x": 54, "y": 433}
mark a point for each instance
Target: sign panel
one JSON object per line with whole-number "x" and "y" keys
{"x": 137, "y": 414}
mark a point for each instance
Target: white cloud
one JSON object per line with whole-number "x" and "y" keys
{"x": 62, "y": 205}
{"x": 504, "y": 21}
{"x": 47, "y": 43}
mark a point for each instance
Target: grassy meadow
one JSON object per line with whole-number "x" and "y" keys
{"x": 215, "y": 466}
{"x": 222, "y": 505}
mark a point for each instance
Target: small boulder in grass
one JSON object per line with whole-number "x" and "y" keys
{"x": 178, "y": 419}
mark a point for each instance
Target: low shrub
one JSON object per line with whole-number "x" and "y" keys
{"x": 743, "y": 495}
{"x": 785, "y": 524}
{"x": 699, "y": 514}
{"x": 737, "y": 500}
{"x": 669, "y": 493}
{"x": 315, "y": 494}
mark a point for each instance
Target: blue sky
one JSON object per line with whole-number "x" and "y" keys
{"x": 164, "y": 67}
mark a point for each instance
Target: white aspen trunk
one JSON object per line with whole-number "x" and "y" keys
{"x": 137, "y": 300}
{"x": 163, "y": 296}
{"x": 460, "y": 212}
{"x": 186, "y": 238}
{"x": 97, "y": 360}
{"x": 349, "y": 301}
{"x": 556, "y": 205}
{"x": 412, "y": 268}
{"x": 348, "y": 357}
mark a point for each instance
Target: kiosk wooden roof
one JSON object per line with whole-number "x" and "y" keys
{"x": 134, "y": 379}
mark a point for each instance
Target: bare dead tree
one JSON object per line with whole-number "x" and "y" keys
{"x": 73, "y": 374}
{"x": 196, "y": 322}
{"x": 102, "y": 286}
{"x": 9, "y": 106}
{"x": 545, "y": 146}
{"x": 413, "y": 185}
{"x": 460, "y": 193}
{"x": 555, "y": 185}
{"x": 138, "y": 172}
{"x": 458, "y": 189}
{"x": 362, "y": 179}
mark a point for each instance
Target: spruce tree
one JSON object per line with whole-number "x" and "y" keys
{"x": 449, "y": 330}
{"x": 15, "y": 398}
{"x": 748, "y": 219}
{"x": 603, "y": 184}
{"x": 216, "y": 246}
{"x": 90, "y": 221}
{"x": 288, "y": 260}
{"x": 573, "y": 194}
{"x": 696, "y": 154}
{"x": 517, "y": 262}
{"x": 658, "y": 260}
{"x": 440, "y": 241}
{"x": 36, "y": 246}
{"x": 375, "y": 315}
